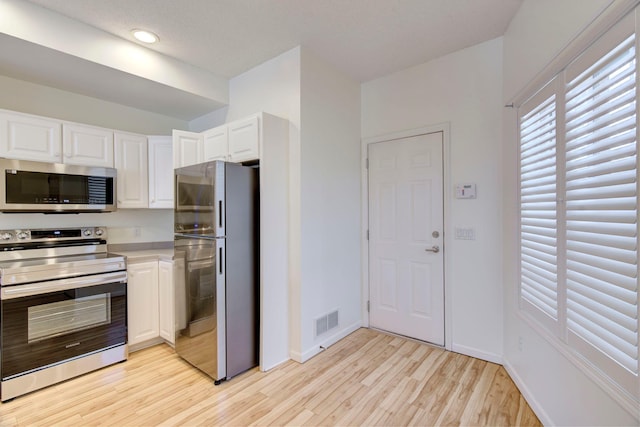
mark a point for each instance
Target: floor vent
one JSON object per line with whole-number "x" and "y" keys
{"x": 326, "y": 323}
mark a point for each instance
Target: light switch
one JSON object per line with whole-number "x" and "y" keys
{"x": 465, "y": 233}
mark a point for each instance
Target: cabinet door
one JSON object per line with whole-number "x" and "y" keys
{"x": 216, "y": 145}
{"x": 244, "y": 140}
{"x": 160, "y": 172}
{"x": 28, "y": 137}
{"x": 187, "y": 148}
{"x": 142, "y": 302}
{"x": 87, "y": 145}
{"x": 165, "y": 287}
{"x": 133, "y": 176}
{"x": 179, "y": 296}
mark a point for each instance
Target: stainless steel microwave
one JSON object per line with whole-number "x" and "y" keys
{"x": 55, "y": 187}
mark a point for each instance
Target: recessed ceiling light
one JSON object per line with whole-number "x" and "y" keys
{"x": 144, "y": 36}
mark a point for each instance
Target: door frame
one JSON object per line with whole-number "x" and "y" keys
{"x": 445, "y": 128}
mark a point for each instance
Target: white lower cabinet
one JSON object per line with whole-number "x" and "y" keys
{"x": 166, "y": 309}
{"x": 142, "y": 302}
{"x": 150, "y": 297}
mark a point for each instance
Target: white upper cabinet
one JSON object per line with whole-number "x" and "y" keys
{"x": 27, "y": 137}
{"x": 238, "y": 141}
{"x": 216, "y": 144}
{"x": 160, "y": 172}
{"x": 133, "y": 174}
{"x": 187, "y": 148}
{"x": 244, "y": 140}
{"x": 87, "y": 145}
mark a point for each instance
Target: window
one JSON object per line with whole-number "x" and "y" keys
{"x": 579, "y": 208}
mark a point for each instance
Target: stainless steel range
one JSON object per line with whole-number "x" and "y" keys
{"x": 63, "y": 306}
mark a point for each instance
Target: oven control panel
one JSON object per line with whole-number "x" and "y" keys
{"x": 52, "y": 234}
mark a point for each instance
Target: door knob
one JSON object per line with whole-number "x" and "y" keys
{"x": 435, "y": 249}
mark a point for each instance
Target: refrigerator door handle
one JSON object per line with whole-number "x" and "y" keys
{"x": 221, "y": 312}
{"x": 220, "y": 211}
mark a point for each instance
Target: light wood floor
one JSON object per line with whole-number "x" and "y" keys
{"x": 368, "y": 378}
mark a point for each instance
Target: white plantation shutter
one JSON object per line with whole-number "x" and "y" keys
{"x": 579, "y": 228}
{"x": 538, "y": 220}
{"x": 602, "y": 212}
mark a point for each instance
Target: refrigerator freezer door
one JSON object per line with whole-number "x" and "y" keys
{"x": 200, "y": 199}
{"x": 200, "y": 305}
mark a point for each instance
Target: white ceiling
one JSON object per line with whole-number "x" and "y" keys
{"x": 366, "y": 39}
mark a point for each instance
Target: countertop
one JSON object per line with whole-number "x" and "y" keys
{"x": 143, "y": 255}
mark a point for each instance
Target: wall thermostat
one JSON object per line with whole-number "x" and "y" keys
{"x": 465, "y": 191}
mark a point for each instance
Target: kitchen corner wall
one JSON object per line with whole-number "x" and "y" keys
{"x": 322, "y": 106}
{"x": 463, "y": 89}
{"x": 125, "y": 225}
{"x": 274, "y": 87}
{"x": 329, "y": 204}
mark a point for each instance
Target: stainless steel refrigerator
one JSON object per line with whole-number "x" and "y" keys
{"x": 216, "y": 222}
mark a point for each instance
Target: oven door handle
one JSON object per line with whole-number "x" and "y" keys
{"x": 18, "y": 291}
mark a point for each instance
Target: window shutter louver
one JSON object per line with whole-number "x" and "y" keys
{"x": 538, "y": 226}
{"x": 602, "y": 213}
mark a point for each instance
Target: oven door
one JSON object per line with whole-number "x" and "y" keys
{"x": 46, "y": 323}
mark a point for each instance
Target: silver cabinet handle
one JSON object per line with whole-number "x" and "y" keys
{"x": 435, "y": 249}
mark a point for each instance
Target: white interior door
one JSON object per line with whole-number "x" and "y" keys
{"x": 406, "y": 262}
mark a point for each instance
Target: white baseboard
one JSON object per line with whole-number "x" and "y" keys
{"x": 272, "y": 365}
{"x": 528, "y": 396}
{"x": 478, "y": 354}
{"x": 145, "y": 344}
{"x": 330, "y": 340}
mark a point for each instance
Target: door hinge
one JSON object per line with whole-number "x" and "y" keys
{"x": 368, "y": 307}
{"x": 366, "y": 163}
{"x": 367, "y": 234}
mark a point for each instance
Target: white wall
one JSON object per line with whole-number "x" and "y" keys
{"x": 125, "y": 226}
{"x": 464, "y": 89}
{"x": 558, "y": 392}
{"x": 329, "y": 204}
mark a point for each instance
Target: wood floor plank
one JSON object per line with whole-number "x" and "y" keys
{"x": 367, "y": 378}
{"x": 452, "y": 413}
